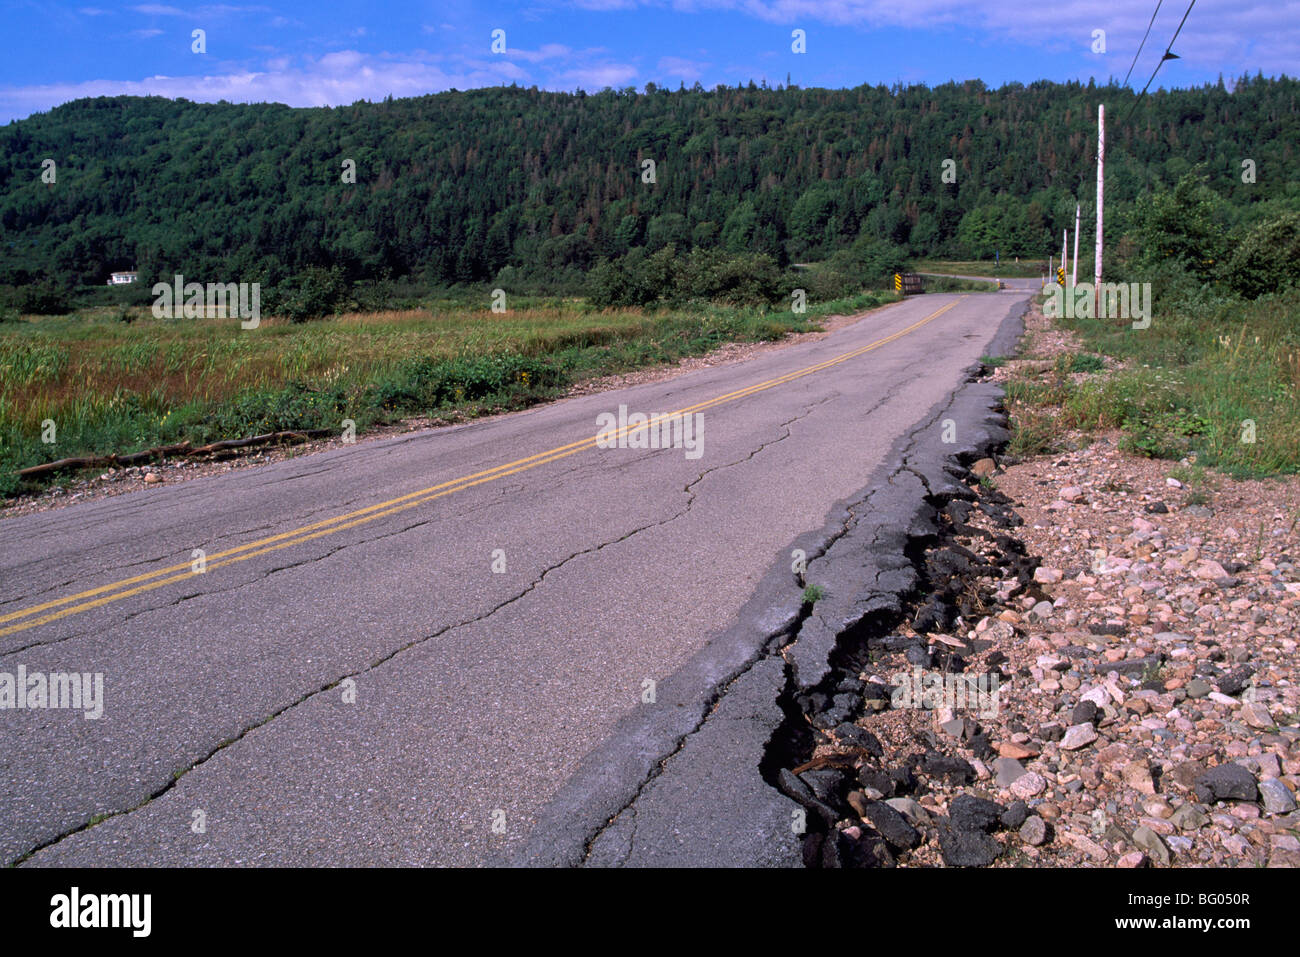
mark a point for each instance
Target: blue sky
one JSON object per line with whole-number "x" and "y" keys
{"x": 321, "y": 53}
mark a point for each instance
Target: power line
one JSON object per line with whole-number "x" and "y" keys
{"x": 1142, "y": 44}
{"x": 1168, "y": 56}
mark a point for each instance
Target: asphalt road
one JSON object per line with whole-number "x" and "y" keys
{"x": 355, "y": 679}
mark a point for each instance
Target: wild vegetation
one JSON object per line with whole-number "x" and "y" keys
{"x": 625, "y": 228}
{"x": 110, "y": 386}
{"x": 529, "y": 190}
{"x": 1217, "y": 373}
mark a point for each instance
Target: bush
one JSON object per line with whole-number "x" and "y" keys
{"x": 1265, "y": 260}
{"x": 1183, "y": 226}
{"x": 637, "y": 279}
{"x": 739, "y": 280}
{"x": 872, "y": 262}
{"x": 422, "y": 384}
{"x": 255, "y": 412}
{"x": 825, "y": 283}
{"x": 36, "y": 299}
{"x": 314, "y": 293}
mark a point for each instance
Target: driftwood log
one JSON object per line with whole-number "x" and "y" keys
{"x": 218, "y": 450}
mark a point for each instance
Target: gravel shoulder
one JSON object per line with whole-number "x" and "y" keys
{"x": 1125, "y": 646}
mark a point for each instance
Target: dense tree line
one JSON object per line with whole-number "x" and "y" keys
{"x": 514, "y": 185}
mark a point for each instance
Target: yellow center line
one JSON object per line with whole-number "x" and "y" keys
{"x": 166, "y": 576}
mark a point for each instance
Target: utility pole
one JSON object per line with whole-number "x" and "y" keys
{"x": 1074, "y": 275}
{"x": 1101, "y": 187}
{"x": 1065, "y": 246}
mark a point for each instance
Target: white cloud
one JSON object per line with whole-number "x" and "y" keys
{"x": 209, "y": 10}
{"x": 548, "y": 51}
{"x": 595, "y": 77}
{"x": 676, "y": 66}
{"x": 333, "y": 79}
{"x": 1234, "y": 36}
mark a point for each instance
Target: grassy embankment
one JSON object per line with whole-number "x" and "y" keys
{"x": 952, "y": 284}
{"x": 1007, "y": 269}
{"x": 111, "y": 386}
{"x": 1196, "y": 381}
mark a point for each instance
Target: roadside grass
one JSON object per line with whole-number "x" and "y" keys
{"x": 1217, "y": 378}
{"x": 110, "y": 386}
{"x": 1007, "y": 269}
{"x": 952, "y": 284}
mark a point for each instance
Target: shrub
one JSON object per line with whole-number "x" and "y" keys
{"x": 1265, "y": 260}
{"x": 314, "y": 293}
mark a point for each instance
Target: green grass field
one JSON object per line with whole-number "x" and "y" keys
{"x": 110, "y": 386}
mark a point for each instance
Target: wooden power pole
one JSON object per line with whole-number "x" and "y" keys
{"x": 1101, "y": 188}
{"x": 1074, "y": 273}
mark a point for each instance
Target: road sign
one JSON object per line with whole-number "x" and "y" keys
{"x": 908, "y": 283}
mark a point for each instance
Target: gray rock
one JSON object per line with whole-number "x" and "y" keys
{"x": 1033, "y": 830}
{"x": 1198, "y": 688}
{"x": 1150, "y": 842}
{"x": 910, "y": 809}
{"x": 1189, "y": 817}
{"x": 954, "y": 728}
{"x": 892, "y": 826}
{"x": 1043, "y": 610}
{"x": 1008, "y": 770}
{"x": 1276, "y": 796}
{"x": 1078, "y": 736}
{"x": 1180, "y": 844}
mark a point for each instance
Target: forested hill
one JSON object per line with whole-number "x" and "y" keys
{"x": 455, "y": 186}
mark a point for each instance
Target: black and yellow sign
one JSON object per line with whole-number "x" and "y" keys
{"x": 1060, "y": 275}
{"x": 908, "y": 283}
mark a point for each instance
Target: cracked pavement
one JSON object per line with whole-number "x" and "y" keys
{"x": 479, "y": 697}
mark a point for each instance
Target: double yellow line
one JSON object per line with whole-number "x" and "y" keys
{"x": 84, "y": 601}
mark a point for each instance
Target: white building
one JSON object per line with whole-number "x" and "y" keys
{"x": 122, "y": 278}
